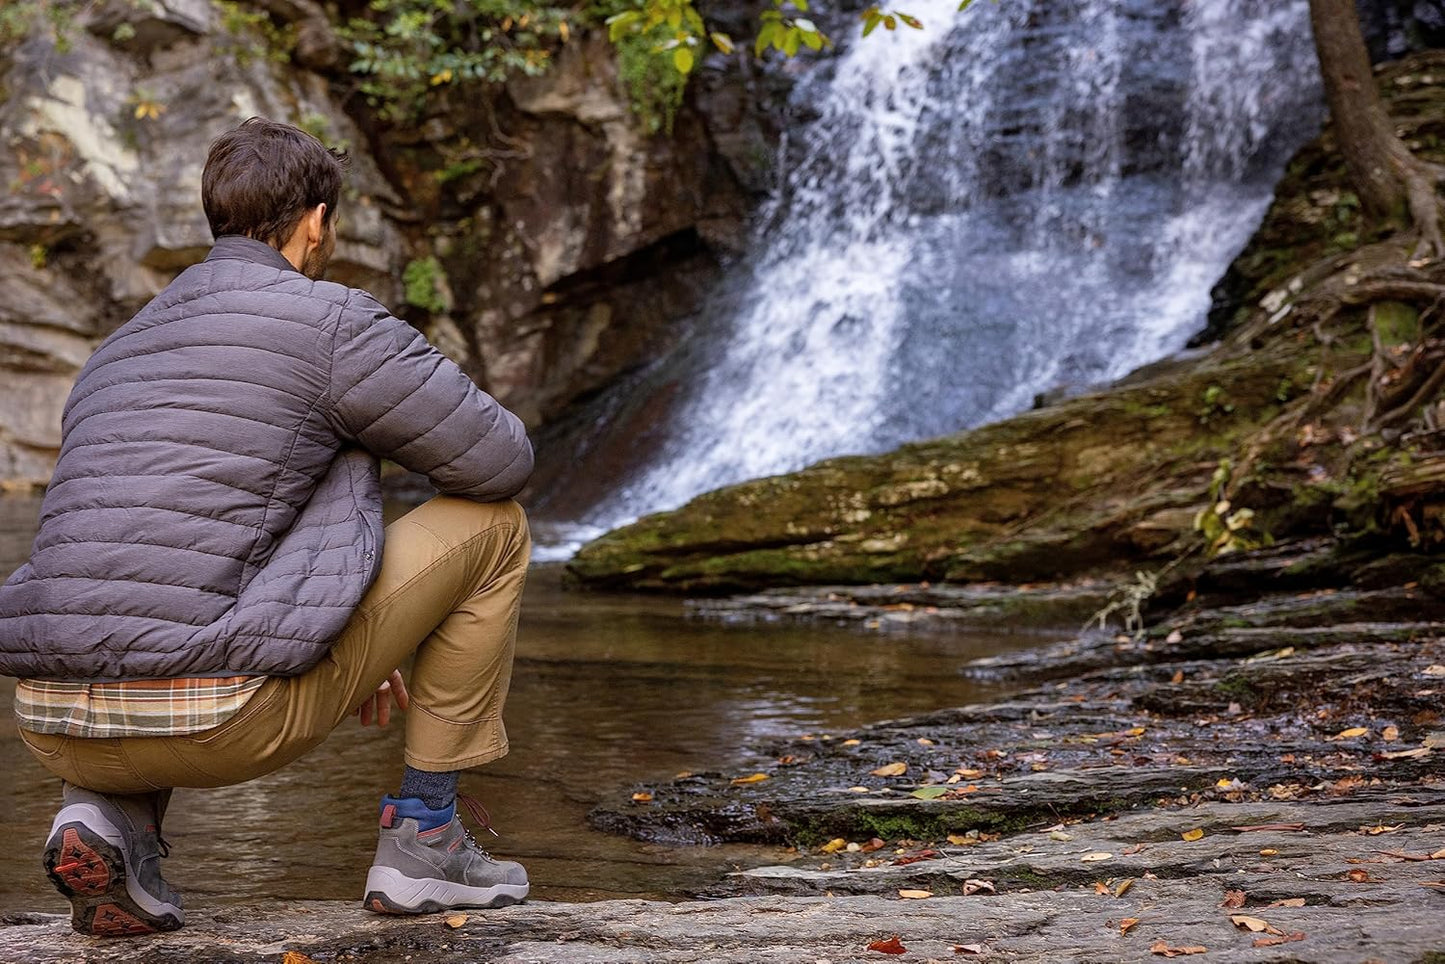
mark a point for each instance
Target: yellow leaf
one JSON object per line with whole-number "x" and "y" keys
{"x": 456, "y": 920}
{"x": 850, "y": 742}
{"x": 834, "y": 845}
{"x": 682, "y": 59}
{"x": 296, "y": 957}
{"x": 1269, "y": 852}
{"x": 915, "y": 894}
{"x": 891, "y": 770}
{"x": 1351, "y": 733}
{"x": 1123, "y": 887}
{"x": 441, "y": 77}
{"x": 1192, "y": 835}
{"x": 1391, "y": 734}
{"x": 752, "y": 778}
{"x": 960, "y": 840}
{"x": 642, "y": 797}
{"x": 1096, "y": 856}
{"x": 924, "y": 741}
{"x": 564, "y": 31}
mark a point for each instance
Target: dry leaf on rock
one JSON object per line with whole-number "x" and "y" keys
{"x": 1245, "y": 922}
{"x": 750, "y": 778}
{"x": 1380, "y": 828}
{"x": 1127, "y": 923}
{"x": 1234, "y": 898}
{"x": 1436, "y": 670}
{"x": 1291, "y": 902}
{"x": 834, "y": 845}
{"x": 1390, "y": 734}
{"x": 456, "y": 920}
{"x": 968, "y": 948}
{"x": 1096, "y": 856}
{"x": 1192, "y": 835}
{"x": 1164, "y": 950}
{"x": 850, "y": 742}
{"x": 642, "y": 798}
{"x": 1350, "y": 734}
{"x": 915, "y": 894}
{"x": 891, "y": 945}
{"x": 872, "y": 845}
{"x": 1123, "y": 886}
{"x": 890, "y": 770}
{"x": 1281, "y": 939}
{"x": 972, "y": 886}
{"x": 1358, "y": 876}
{"x": 296, "y": 957}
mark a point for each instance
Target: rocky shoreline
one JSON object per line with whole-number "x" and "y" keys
{"x": 1257, "y": 775}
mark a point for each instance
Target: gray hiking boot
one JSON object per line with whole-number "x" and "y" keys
{"x": 427, "y": 862}
{"x": 104, "y": 853}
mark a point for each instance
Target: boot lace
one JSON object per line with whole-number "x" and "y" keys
{"x": 480, "y": 817}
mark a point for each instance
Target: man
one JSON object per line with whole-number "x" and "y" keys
{"x": 208, "y": 594}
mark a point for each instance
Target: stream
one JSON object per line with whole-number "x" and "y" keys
{"x": 608, "y": 691}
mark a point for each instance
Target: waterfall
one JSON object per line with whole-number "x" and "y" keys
{"x": 1031, "y": 196}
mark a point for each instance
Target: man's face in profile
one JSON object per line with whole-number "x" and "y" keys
{"x": 314, "y": 264}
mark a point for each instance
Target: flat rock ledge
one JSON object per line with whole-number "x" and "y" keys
{"x": 1389, "y": 918}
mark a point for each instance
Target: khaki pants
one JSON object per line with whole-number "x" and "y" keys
{"x": 449, "y": 589}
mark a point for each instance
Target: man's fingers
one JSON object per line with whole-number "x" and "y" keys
{"x": 365, "y": 710}
{"x": 398, "y": 691}
{"x": 383, "y": 709}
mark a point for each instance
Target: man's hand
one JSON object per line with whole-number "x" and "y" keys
{"x": 378, "y": 705}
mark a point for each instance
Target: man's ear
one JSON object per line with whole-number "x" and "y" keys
{"x": 316, "y": 224}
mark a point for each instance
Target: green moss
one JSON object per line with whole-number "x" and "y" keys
{"x": 423, "y": 280}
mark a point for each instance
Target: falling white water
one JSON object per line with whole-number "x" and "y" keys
{"x": 1036, "y": 195}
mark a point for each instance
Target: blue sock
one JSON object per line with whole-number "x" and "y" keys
{"x": 437, "y": 790}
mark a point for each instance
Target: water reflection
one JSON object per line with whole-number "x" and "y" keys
{"x": 608, "y": 691}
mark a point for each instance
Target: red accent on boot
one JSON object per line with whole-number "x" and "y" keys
{"x": 388, "y": 815}
{"x": 84, "y": 871}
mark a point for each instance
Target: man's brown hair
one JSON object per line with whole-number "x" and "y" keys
{"x": 262, "y": 177}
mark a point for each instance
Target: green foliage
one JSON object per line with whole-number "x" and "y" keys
{"x": 254, "y": 35}
{"x": 39, "y": 254}
{"x": 422, "y": 279}
{"x": 1216, "y": 403}
{"x": 19, "y": 19}
{"x": 1226, "y": 528}
{"x": 402, "y": 49}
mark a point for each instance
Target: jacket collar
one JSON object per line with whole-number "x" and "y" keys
{"x": 242, "y": 248}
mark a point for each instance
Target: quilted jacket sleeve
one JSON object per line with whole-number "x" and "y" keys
{"x": 395, "y": 394}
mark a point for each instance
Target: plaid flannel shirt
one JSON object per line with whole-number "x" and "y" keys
{"x": 158, "y": 707}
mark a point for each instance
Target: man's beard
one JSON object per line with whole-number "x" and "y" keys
{"x": 314, "y": 264}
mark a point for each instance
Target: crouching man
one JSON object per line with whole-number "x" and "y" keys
{"x": 211, "y": 591}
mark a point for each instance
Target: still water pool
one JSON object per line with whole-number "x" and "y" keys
{"x": 608, "y": 691}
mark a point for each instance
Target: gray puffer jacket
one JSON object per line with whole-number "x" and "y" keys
{"x": 215, "y": 510}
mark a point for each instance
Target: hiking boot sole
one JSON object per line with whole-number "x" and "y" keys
{"x": 389, "y": 891}
{"x": 85, "y": 860}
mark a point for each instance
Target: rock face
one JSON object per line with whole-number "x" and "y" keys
{"x": 557, "y": 241}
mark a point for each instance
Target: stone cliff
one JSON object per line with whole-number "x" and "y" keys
{"x": 534, "y": 230}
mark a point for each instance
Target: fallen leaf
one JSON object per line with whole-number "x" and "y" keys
{"x": 1390, "y": 734}
{"x": 1358, "y": 876}
{"x": 968, "y": 773}
{"x": 296, "y": 957}
{"x": 968, "y": 948}
{"x": 1288, "y": 902}
{"x": 1192, "y": 835}
{"x": 1349, "y": 734}
{"x": 1435, "y": 670}
{"x": 915, "y": 894}
{"x": 1163, "y": 949}
{"x": 1174, "y": 637}
{"x": 1234, "y": 898}
{"x": 872, "y": 845}
{"x": 1178, "y": 676}
{"x": 1269, "y": 852}
{"x": 1123, "y": 887}
{"x": 850, "y": 742}
{"x": 751, "y": 778}
{"x": 1100, "y": 888}
{"x": 1380, "y": 828}
{"x": 642, "y": 798}
{"x": 1060, "y": 835}
{"x": 960, "y": 840}
{"x": 1127, "y": 923}
{"x": 1136, "y": 849}
{"x": 891, "y": 770}
{"x": 1096, "y": 856}
{"x": 1406, "y": 754}
{"x": 972, "y": 886}
{"x": 1282, "y": 939}
{"x": 890, "y": 946}
{"x": 929, "y": 793}
{"x": 1245, "y": 922}
{"x": 456, "y": 920}
{"x": 915, "y": 858}
{"x": 834, "y": 845}
{"x": 924, "y": 741}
